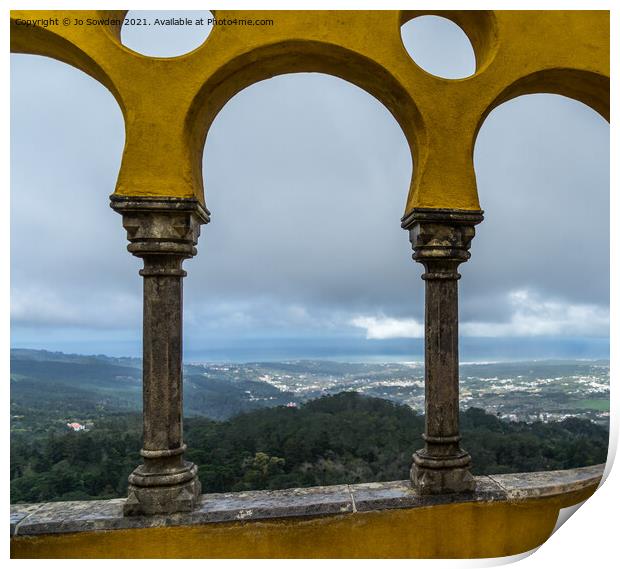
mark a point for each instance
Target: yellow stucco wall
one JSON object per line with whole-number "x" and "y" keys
{"x": 463, "y": 530}
{"x": 169, "y": 103}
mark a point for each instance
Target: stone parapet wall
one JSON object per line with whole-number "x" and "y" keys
{"x": 509, "y": 514}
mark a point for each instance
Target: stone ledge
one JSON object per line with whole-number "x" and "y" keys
{"x": 550, "y": 483}
{"x": 72, "y": 517}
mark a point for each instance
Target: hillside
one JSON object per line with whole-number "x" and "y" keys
{"x": 52, "y": 385}
{"x": 344, "y": 438}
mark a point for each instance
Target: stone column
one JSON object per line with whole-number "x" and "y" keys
{"x": 441, "y": 240}
{"x": 163, "y": 233}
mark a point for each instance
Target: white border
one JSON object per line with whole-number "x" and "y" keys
{"x": 587, "y": 539}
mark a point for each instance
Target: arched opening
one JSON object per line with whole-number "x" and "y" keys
{"x": 537, "y": 285}
{"x": 306, "y": 176}
{"x": 73, "y": 287}
{"x": 69, "y": 270}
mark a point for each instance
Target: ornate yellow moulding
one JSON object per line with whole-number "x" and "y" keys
{"x": 169, "y": 103}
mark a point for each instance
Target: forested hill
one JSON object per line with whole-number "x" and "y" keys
{"x": 345, "y": 438}
{"x": 53, "y": 385}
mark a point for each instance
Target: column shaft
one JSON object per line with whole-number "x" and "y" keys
{"x": 162, "y": 353}
{"x": 441, "y": 357}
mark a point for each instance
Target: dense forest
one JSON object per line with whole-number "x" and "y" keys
{"x": 344, "y": 438}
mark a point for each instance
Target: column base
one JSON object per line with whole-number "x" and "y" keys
{"x": 150, "y": 494}
{"x": 442, "y": 476}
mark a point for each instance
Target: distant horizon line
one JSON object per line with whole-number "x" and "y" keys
{"x": 357, "y": 359}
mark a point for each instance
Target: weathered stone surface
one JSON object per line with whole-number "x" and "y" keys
{"x": 540, "y": 484}
{"x": 68, "y": 517}
{"x": 446, "y": 480}
{"x": 160, "y": 498}
{"x": 441, "y": 241}
{"x": 318, "y": 501}
{"x": 19, "y": 512}
{"x": 389, "y": 495}
{"x": 65, "y": 517}
{"x": 163, "y": 233}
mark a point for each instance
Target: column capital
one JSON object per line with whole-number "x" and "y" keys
{"x": 441, "y": 239}
{"x": 161, "y": 226}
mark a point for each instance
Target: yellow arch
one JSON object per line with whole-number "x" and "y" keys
{"x": 299, "y": 57}
{"x": 169, "y": 103}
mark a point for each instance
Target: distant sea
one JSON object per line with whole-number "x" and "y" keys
{"x": 405, "y": 350}
{"x": 354, "y": 350}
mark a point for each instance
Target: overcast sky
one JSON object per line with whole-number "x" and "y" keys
{"x": 306, "y": 177}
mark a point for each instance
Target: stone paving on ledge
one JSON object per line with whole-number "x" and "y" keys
{"x": 67, "y": 517}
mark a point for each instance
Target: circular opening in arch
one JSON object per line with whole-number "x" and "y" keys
{"x": 439, "y": 46}
{"x": 165, "y": 33}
